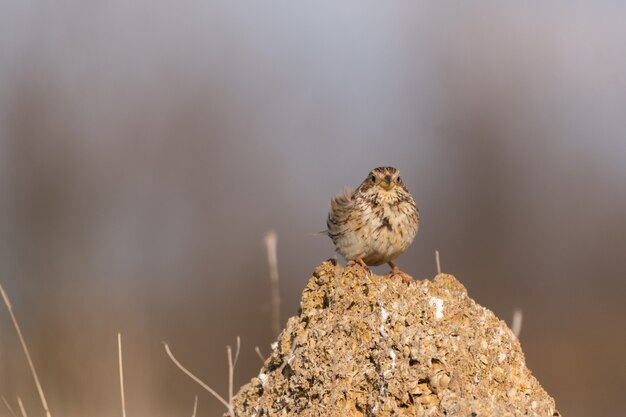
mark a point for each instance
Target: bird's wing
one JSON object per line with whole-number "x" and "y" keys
{"x": 343, "y": 200}
{"x": 340, "y": 209}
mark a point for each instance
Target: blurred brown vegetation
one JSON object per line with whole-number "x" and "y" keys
{"x": 146, "y": 147}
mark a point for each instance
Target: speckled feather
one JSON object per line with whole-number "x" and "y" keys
{"x": 375, "y": 223}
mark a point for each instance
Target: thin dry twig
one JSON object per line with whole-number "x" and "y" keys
{"x": 199, "y": 381}
{"x": 287, "y": 360}
{"x": 7, "y": 302}
{"x": 231, "y": 368}
{"x": 8, "y": 406}
{"x": 195, "y": 406}
{"x": 516, "y": 323}
{"x": 438, "y": 262}
{"x": 22, "y": 409}
{"x": 272, "y": 259}
{"x": 119, "y": 356}
{"x": 258, "y": 352}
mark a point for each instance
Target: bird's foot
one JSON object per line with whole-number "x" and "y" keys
{"x": 361, "y": 263}
{"x": 406, "y": 278}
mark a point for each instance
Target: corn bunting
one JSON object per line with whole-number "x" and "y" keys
{"x": 375, "y": 223}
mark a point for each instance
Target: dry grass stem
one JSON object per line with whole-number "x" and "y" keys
{"x": 195, "y": 406}
{"x": 119, "y": 356}
{"x": 22, "y": 409}
{"x": 199, "y": 381}
{"x": 516, "y": 323}
{"x": 289, "y": 357}
{"x": 438, "y": 262}
{"x": 7, "y": 302}
{"x": 259, "y": 354}
{"x": 8, "y": 406}
{"x": 231, "y": 368}
{"x": 272, "y": 259}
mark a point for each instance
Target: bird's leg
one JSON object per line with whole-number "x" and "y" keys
{"x": 360, "y": 262}
{"x": 396, "y": 271}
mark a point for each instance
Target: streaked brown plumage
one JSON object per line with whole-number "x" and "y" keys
{"x": 375, "y": 223}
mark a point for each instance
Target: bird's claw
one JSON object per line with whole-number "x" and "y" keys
{"x": 406, "y": 278}
{"x": 360, "y": 263}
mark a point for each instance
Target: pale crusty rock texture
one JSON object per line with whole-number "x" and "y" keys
{"x": 368, "y": 345}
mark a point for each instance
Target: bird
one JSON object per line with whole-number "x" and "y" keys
{"x": 375, "y": 223}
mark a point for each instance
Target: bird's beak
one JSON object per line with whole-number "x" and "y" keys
{"x": 386, "y": 183}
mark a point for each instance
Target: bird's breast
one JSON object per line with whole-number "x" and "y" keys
{"x": 391, "y": 231}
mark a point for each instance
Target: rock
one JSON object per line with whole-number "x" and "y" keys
{"x": 368, "y": 345}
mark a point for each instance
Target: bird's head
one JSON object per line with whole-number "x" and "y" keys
{"x": 386, "y": 178}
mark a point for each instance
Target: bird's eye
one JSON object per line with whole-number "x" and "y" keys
{"x": 372, "y": 178}
{"x": 399, "y": 179}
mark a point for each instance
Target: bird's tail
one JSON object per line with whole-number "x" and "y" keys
{"x": 320, "y": 233}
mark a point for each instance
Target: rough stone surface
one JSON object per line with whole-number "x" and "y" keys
{"x": 368, "y": 345}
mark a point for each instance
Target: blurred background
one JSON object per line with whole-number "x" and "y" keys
{"x": 147, "y": 147}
